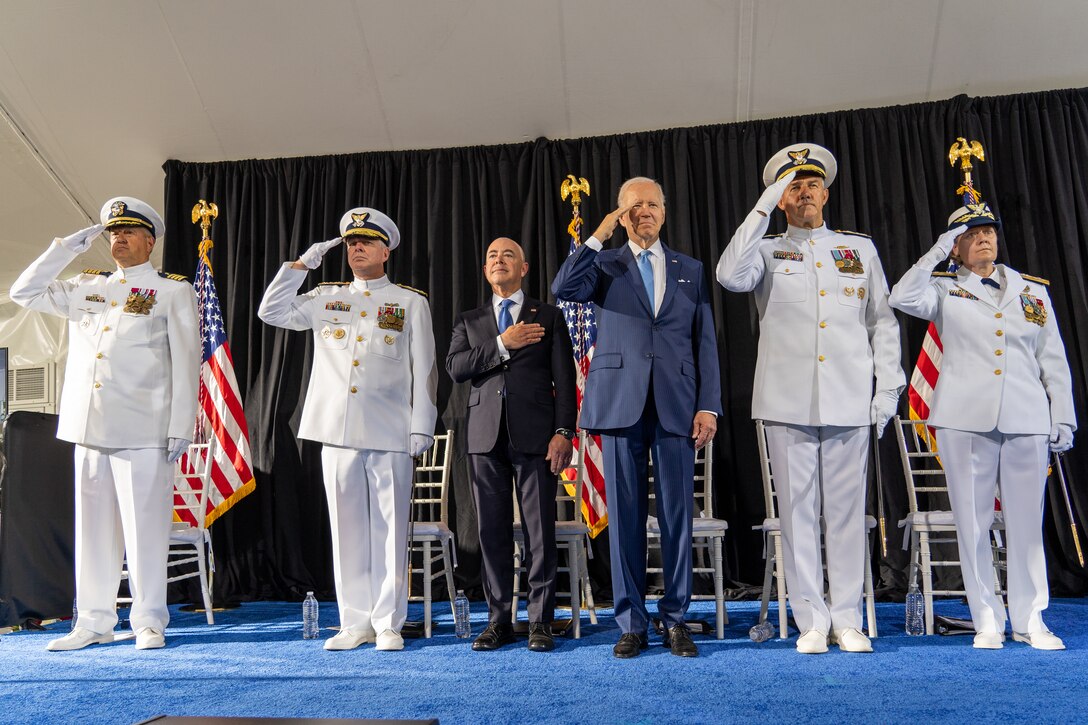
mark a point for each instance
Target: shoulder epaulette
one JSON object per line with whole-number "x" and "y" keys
{"x": 413, "y": 289}
{"x": 333, "y": 284}
{"x": 102, "y": 272}
{"x": 175, "y": 277}
{"x": 1033, "y": 278}
{"x": 853, "y": 234}
{"x": 945, "y": 274}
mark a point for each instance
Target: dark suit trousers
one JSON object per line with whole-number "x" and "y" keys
{"x": 625, "y": 453}
{"x": 493, "y": 477}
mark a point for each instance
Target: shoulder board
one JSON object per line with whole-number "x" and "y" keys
{"x": 774, "y": 236}
{"x": 1040, "y": 280}
{"x": 853, "y": 234}
{"x": 945, "y": 274}
{"x": 413, "y": 289}
{"x": 175, "y": 277}
{"x": 102, "y": 272}
{"x": 333, "y": 284}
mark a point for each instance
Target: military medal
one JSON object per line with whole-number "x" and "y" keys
{"x": 338, "y": 306}
{"x": 791, "y": 256}
{"x": 848, "y": 261}
{"x": 391, "y": 317}
{"x": 326, "y": 332}
{"x": 339, "y": 333}
{"x": 849, "y": 291}
{"x": 1034, "y": 310}
{"x": 95, "y": 298}
{"x": 140, "y": 301}
{"x": 956, "y": 292}
{"x": 389, "y": 339}
{"x": 861, "y": 293}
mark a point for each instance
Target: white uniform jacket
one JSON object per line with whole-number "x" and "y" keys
{"x": 374, "y": 379}
{"x": 133, "y": 351}
{"x": 825, "y": 327}
{"x": 1004, "y": 366}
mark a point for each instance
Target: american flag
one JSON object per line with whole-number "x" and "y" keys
{"x": 582, "y": 323}
{"x": 219, "y": 413}
{"x": 923, "y": 381}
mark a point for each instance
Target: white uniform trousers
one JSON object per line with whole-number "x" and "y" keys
{"x": 821, "y": 468}
{"x": 369, "y": 495}
{"x": 973, "y": 464}
{"x": 124, "y": 499}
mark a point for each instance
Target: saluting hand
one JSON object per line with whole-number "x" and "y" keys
{"x": 770, "y": 197}
{"x": 704, "y": 428}
{"x": 610, "y": 222}
{"x": 81, "y": 241}
{"x": 522, "y": 335}
{"x": 311, "y": 258}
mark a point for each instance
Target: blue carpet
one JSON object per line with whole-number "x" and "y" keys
{"x": 254, "y": 662}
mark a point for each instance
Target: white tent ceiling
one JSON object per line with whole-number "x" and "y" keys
{"x": 96, "y": 95}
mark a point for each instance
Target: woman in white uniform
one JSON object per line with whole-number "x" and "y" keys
{"x": 1003, "y": 401}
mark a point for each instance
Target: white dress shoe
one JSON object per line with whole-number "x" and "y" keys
{"x": 149, "y": 638}
{"x": 812, "y": 642}
{"x": 389, "y": 641}
{"x": 347, "y": 639}
{"x": 1040, "y": 640}
{"x": 851, "y": 640}
{"x": 989, "y": 640}
{"x": 79, "y": 638}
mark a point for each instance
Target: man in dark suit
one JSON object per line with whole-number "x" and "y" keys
{"x": 652, "y": 385}
{"x": 522, "y": 410}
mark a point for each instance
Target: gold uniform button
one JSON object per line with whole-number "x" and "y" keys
{"x": 1000, "y": 333}
{"x": 358, "y": 338}
{"x": 363, "y": 313}
{"x": 823, "y": 325}
{"x": 106, "y": 328}
{"x": 821, "y": 358}
{"x": 98, "y": 385}
{"x": 999, "y": 353}
{"x": 122, "y": 281}
{"x": 997, "y": 372}
{"x": 787, "y": 269}
{"x": 366, "y": 294}
{"x": 113, "y": 304}
{"x": 99, "y": 356}
{"x": 823, "y": 292}
{"x": 819, "y": 264}
{"x": 997, "y": 315}
{"x": 354, "y": 389}
{"x": 355, "y": 363}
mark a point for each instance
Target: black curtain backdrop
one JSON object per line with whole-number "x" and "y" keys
{"x": 894, "y": 183}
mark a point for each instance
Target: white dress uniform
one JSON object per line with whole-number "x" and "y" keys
{"x": 826, "y": 332}
{"x": 1004, "y": 382}
{"x": 373, "y": 385}
{"x": 130, "y": 385}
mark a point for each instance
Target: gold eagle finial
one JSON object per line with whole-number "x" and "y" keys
{"x": 575, "y": 187}
{"x": 203, "y": 213}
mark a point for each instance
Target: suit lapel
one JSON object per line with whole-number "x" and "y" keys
{"x": 1014, "y": 286}
{"x": 634, "y": 276}
{"x": 529, "y": 310}
{"x": 972, "y": 283}
{"x": 487, "y": 320}
{"x": 672, "y": 276}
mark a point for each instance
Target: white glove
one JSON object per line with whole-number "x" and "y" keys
{"x": 883, "y": 408}
{"x": 175, "y": 447}
{"x": 943, "y": 247}
{"x": 81, "y": 241}
{"x": 312, "y": 256}
{"x": 768, "y": 200}
{"x": 419, "y": 443}
{"x": 1061, "y": 437}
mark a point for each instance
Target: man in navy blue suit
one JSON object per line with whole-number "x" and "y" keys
{"x": 653, "y": 384}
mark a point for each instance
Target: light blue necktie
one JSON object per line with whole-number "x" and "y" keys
{"x": 505, "y": 320}
{"x": 647, "y": 274}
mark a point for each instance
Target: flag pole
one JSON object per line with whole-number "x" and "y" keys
{"x": 1059, "y": 463}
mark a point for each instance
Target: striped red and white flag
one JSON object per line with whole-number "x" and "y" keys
{"x": 924, "y": 381}
{"x": 220, "y": 417}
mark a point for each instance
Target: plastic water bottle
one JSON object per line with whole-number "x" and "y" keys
{"x": 462, "y": 627}
{"x": 761, "y": 632}
{"x": 75, "y": 614}
{"x": 309, "y": 617}
{"x": 916, "y": 607}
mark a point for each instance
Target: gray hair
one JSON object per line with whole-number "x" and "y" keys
{"x": 638, "y": 180}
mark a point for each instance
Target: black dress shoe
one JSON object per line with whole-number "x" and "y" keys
{"x": 630, "y": 645}
{"x": 678, "y": 640}
{"x": 540, "y": 637}
{"x": 495, "y": 635}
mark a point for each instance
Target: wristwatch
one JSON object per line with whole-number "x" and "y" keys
{"x": 565, "y": 432}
